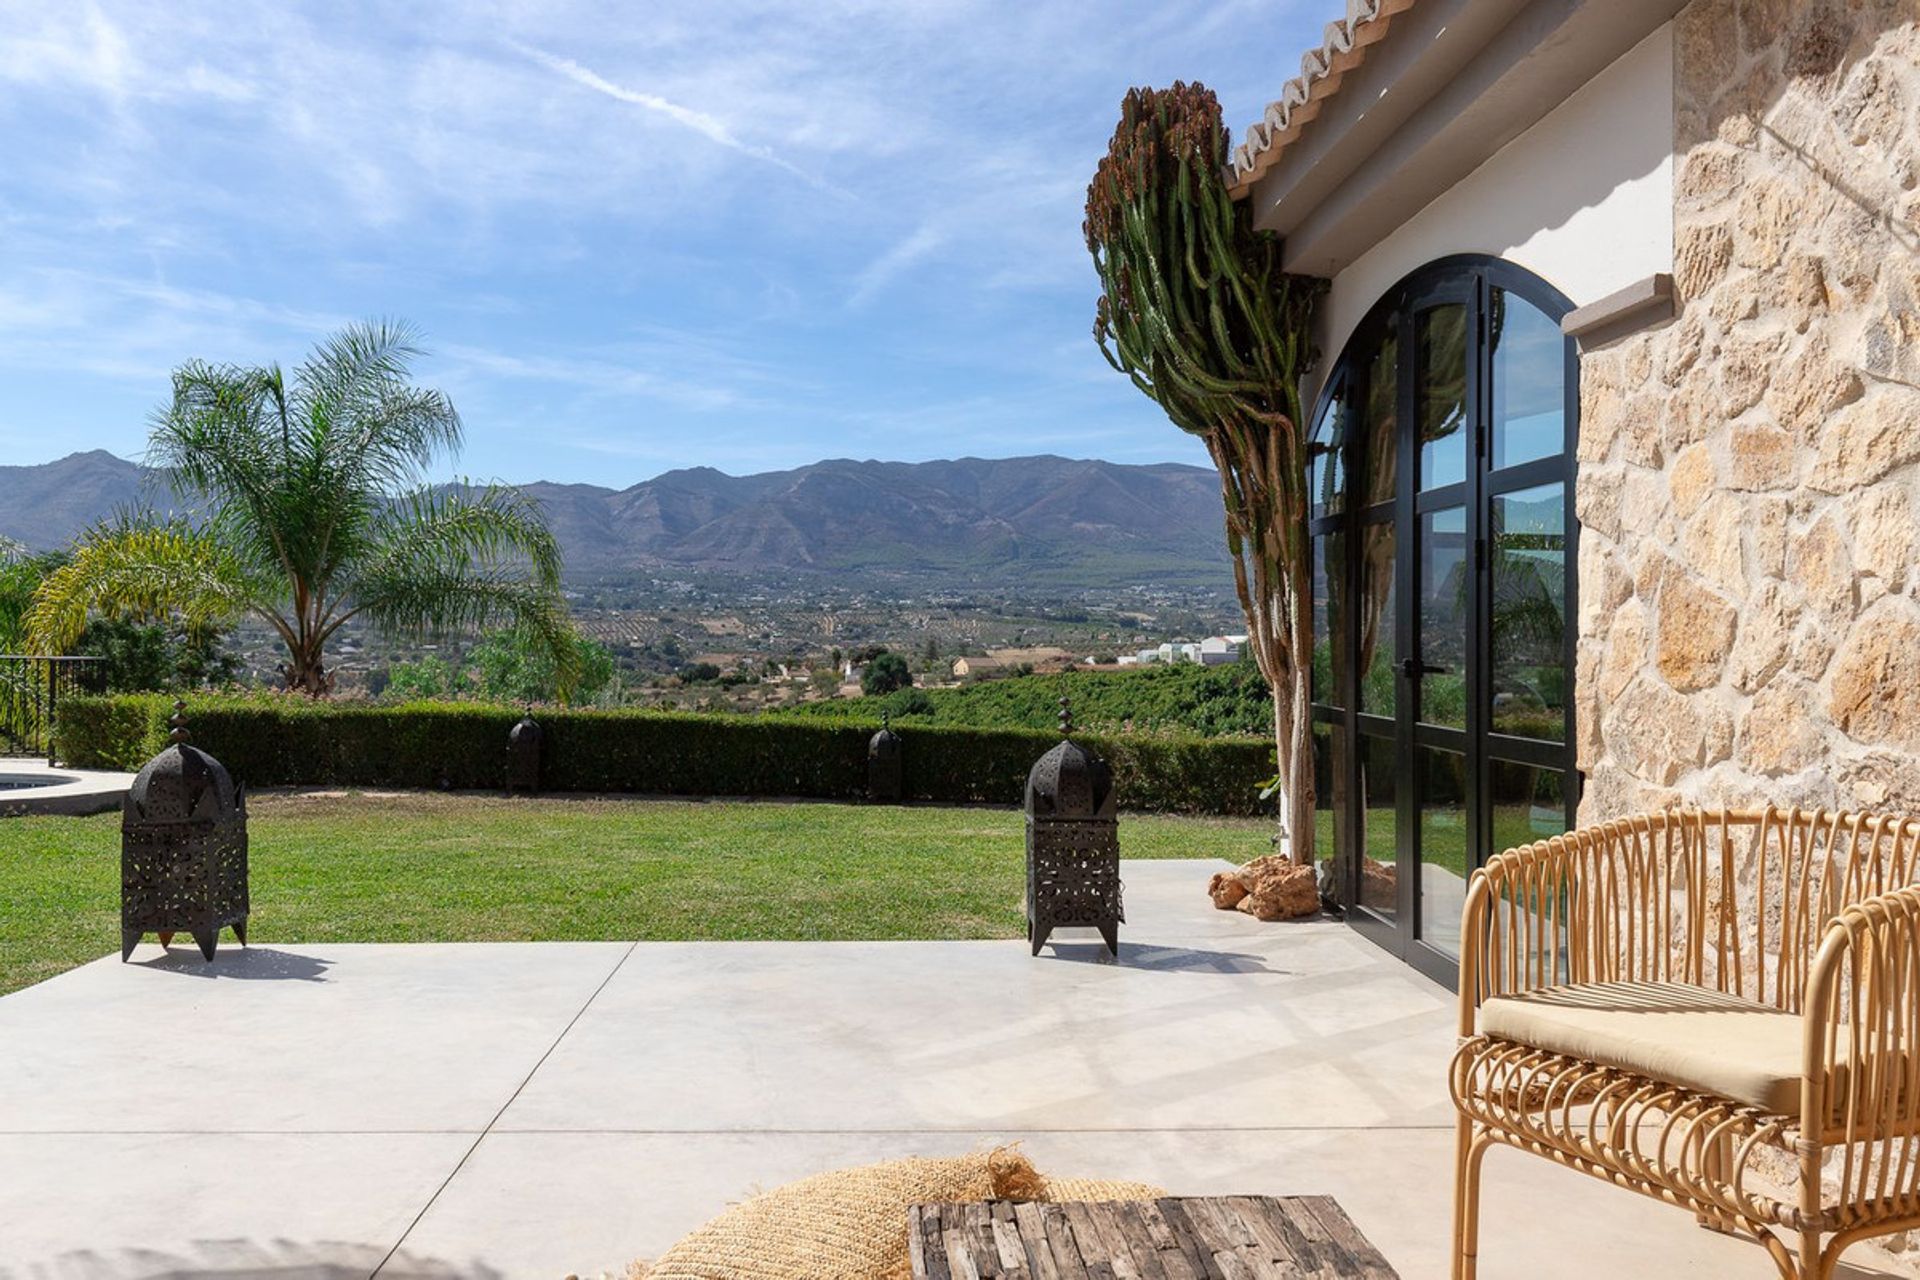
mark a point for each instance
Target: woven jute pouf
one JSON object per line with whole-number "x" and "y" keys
{"x": 851, "y": 1224}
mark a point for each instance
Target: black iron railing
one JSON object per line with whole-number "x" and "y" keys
{"x": 31, "y": 686}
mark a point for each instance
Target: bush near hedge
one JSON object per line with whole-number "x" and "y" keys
{"x": 291, "y": 741}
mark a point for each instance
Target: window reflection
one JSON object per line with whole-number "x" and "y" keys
{"x": 1445, "y": 857}
{"x": 1440, "y": 393}
{"x": 1326, "y": 455}
{"x": 1379, "y": 831}
{"x": 1329, "y": 619}
{"x": 1381, "y": 379}
{"x": 1445, "y": 565}
{"x": 1529, "y": 381}
{"x": 1529, "y": 587}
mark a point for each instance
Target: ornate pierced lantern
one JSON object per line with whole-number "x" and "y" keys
{"x": 523, "y": 754}
{"x": 1073, "y": 843}
{"x": 884, "y": 764}
{"x": 183, "y": 848}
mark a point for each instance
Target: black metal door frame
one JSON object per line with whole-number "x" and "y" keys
{"x": 1468, "y": 280}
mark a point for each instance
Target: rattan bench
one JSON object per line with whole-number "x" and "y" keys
{"x": 1712, "y": 1008}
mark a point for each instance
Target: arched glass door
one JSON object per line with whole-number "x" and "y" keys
{"x": 1443, "y": 537}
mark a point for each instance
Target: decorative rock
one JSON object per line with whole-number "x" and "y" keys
{"x": 1877, "y": 435}
{"x": 1763, "y": 456}
{"x": 1747, "y": 365}
{"x": 1819, "y": 564}
{"x": 1226, "y": 890}
{"x": 1876, "y": 679}
{"x": 1710, "y": 175}
{"x": 1268, "y": 888}
{"x": 1885, "y": 539}
{"x": 1596, "y": 500}
{"x": 1766, "y": 628}
{"x": 1770, "y": 536}
{"x": 1653, "y": 733}
{"x": 1626, "y": 650}
{"x": 1778, "y": 735}
{"x": 1803, "y": 393}
{"x": 1289, "y": 892}
{"x": 1696, "y": 634}
{"x": 1690, "y": 479}
{"x": 1701, "y": 255}
{"x": 1769, "y": 215}
{"x": 1712, "y": 542}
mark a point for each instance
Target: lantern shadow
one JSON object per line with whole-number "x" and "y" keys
{"x": 1157, "y": 959}
{"x": 241, "y": 1259}
{"x": 259, "y": 964}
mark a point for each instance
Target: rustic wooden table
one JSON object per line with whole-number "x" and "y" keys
{"x": 1189, "y": 1238}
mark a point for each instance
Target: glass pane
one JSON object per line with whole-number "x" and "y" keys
{"x": 1379, "y": 852}
{"x": 1382, "y": 408}
{"x": 1529, "y": 588}
{"x": 1444, "y": 854}
{"x": 1529, "y": 381}
{"x": 1330, "y": 770}
{"x": 1326, "y": 455}
{"x": 1440, "y": 393}
{"x": 1379, "y": 692}
{"x": 1444, "y": 569}
{"x": 1528, "y": 804}
{"x": 1329, "y": 620}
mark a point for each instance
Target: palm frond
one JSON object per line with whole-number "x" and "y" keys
{"x": 140, "y": 572}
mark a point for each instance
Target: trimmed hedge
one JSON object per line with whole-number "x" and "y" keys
{"x": 286, "y": 741}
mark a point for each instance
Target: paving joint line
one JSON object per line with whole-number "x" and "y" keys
{"x": 511, "y": 1099}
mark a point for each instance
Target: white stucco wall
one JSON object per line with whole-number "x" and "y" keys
{"x": 1583, "y": 199}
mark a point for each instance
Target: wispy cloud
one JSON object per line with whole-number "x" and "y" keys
{"x": 878, "y": 274}
{"x": 710, "y": 127}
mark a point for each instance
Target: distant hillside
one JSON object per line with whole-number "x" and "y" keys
{"x": 1056, "y": 519}
{"x": 45, "y": 506}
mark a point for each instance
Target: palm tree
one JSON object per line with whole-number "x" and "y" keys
{"x": 315, "y": 513}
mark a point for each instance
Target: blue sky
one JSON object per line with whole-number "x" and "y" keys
{"x": 637, "y": 236}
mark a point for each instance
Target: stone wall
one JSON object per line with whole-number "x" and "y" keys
{"x": 1749, "y": 477}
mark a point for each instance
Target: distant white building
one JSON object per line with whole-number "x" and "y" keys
{"x": 1218, "y": 651}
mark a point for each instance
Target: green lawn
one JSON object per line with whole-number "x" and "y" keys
{"x": 465, "y": 868}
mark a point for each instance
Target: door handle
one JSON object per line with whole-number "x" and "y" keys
{"x": 1413, "y": 669}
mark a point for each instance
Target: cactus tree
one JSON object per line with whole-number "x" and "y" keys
{"x": 1196, "y": 310}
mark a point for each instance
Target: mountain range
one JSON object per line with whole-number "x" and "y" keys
{"x": 1058, "y": 519}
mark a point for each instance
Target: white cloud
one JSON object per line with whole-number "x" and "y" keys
{"x": 879, "y": 273}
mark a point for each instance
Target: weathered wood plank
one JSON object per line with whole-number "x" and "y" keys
{"x": 1279, "y": 1238}
{"x": 1033, "y": 1235}
{"x": 1174, "y": 1260}
{"x": 1175, "y": 1211}
{"x": 1366, "y": 1261}
{"x": 1177, "y": 1238}
{"x": 1066, "y": 1250}
{"x": 923, "y": 1222}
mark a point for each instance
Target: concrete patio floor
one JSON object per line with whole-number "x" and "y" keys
{"x": 510, "y": 1110}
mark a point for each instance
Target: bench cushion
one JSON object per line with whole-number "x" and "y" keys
{"x": 1702, "y": 1040}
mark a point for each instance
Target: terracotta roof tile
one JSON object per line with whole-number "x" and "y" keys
{"x": 1321, "y": 69}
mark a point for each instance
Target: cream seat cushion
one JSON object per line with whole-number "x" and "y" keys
{"x": 1702, "y": 1040}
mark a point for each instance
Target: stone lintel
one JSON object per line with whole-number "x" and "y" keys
{"x": 1640, "y": 305}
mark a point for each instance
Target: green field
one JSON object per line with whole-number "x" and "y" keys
{"x": 468, "y": 868}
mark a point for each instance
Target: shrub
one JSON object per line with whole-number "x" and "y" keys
{"x": 292, "y": 741}
{"x": 887, "y": 672}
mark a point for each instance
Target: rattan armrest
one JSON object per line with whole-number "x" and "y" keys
{"x": 1862, "y": 1019}
{"x": 1501, "y": 923}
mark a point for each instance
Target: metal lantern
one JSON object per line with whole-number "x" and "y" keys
{"x": 884, "y": 764}
{"x": 183, "y": 848}
{"x": 1073, "y": 843}
{"x": 523, "y": 754}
